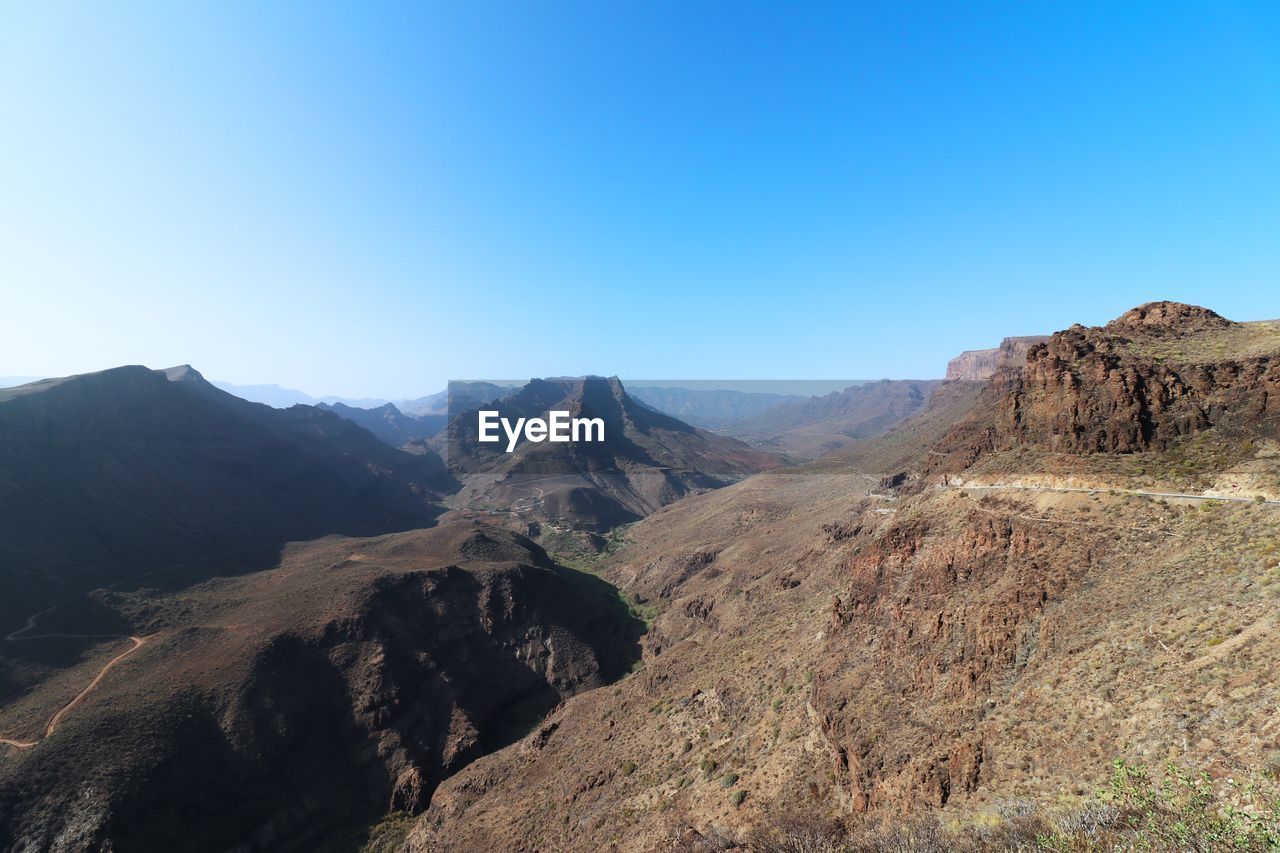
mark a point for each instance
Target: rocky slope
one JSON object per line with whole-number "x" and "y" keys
{"x": 271, "y": 711}
{"x": 983, "y": 363}
{"x": 742, "y": 579}
{"x": 1159, "y": 373}
{"x": 855, "y": 639}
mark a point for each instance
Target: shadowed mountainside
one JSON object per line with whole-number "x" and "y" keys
{"x": 268, "y": 712}
{"x": 114, "y": 475}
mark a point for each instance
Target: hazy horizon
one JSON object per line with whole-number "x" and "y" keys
{"x": 363, "y": 202}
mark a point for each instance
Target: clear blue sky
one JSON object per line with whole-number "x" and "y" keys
{"x": 369, "y": 200}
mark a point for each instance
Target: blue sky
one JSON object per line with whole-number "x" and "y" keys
{"x": 368, "y": 200}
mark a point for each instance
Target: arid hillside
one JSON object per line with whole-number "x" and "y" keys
{"x": 900, "y": 630}
{"x": 955, "y": 627}
{"x": 291, "y": 706}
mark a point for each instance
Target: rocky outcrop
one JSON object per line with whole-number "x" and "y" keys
{"x": 1167, "y": 320}
{"x": 1158, "y": 373}
{"x": 982, "y": 363}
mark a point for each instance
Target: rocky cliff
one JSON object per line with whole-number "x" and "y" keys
{"x": 982, "y": 363}
{"x": 1159, "y": 373}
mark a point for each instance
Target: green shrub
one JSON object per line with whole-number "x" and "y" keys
{"x": 737, "y": 798}
{"x": 628, "y": 767}
{"x": 729, "y": 780}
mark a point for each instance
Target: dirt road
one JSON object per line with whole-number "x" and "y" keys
{"x": 57, "y": 718}
{"x": 1000, "y": 487}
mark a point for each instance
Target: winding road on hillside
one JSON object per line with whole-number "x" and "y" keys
{"x": 56, "y": 720}
{"x": 23, "y": 634}
{"x": 522, "y": 505}
{"x": 1000, "y": 487}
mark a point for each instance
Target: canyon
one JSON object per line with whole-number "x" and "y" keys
{"x": 965, "y": 615}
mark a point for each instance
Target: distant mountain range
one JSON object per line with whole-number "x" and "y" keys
{"x": 809, "y": 428}
{"x": 647, "y": 460}
{"x": 388, "y": 423}
{"x": 282, "y": 398}
{"x": 712, "y": 408}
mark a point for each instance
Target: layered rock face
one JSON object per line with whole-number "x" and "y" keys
{"x": 982, "y": 363}
{"x": 1158, "y": 373}
{"x": 933, "y": 628}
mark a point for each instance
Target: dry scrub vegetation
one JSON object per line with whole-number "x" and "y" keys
{"x": 1139, "y": 809}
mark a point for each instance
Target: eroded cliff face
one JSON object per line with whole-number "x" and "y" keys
{"x": 1158, "y": 373}
{"x": 983, "y": 363}
{"x": 387, "y": 672}
{"x": 934, "y": 628}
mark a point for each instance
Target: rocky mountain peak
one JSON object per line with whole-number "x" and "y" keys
{"x": 1167, "y": 319}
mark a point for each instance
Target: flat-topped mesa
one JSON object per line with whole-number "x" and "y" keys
{"x": 1167, "y": 319}
{"x": 983, "y": 363}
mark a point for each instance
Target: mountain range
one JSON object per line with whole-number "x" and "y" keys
{"x": 229, "y": 626}
{"x": 646, "y": 460}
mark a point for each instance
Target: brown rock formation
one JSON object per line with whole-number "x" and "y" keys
{"x": 931, "y": 627}
{"x": 1160, "y": 372}
{"x": 982, "y": 363}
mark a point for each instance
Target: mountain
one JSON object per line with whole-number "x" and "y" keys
{"x": 458, "y": 396}
{"x": 388, "y": 424}
{"x": 647, "y": 459}
{"x": 283, "y": 398}
{"x": 982, "y": 363}
{"x": 119, "y": 474}
{"x": 945, "y": 636}
{"x": 1159, "y": 374}
{"x": 1037, "y": 613}
{"x": 285, "y": 709}
{"x": 711, "y": 409}
{"x": 812, "y": 427}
